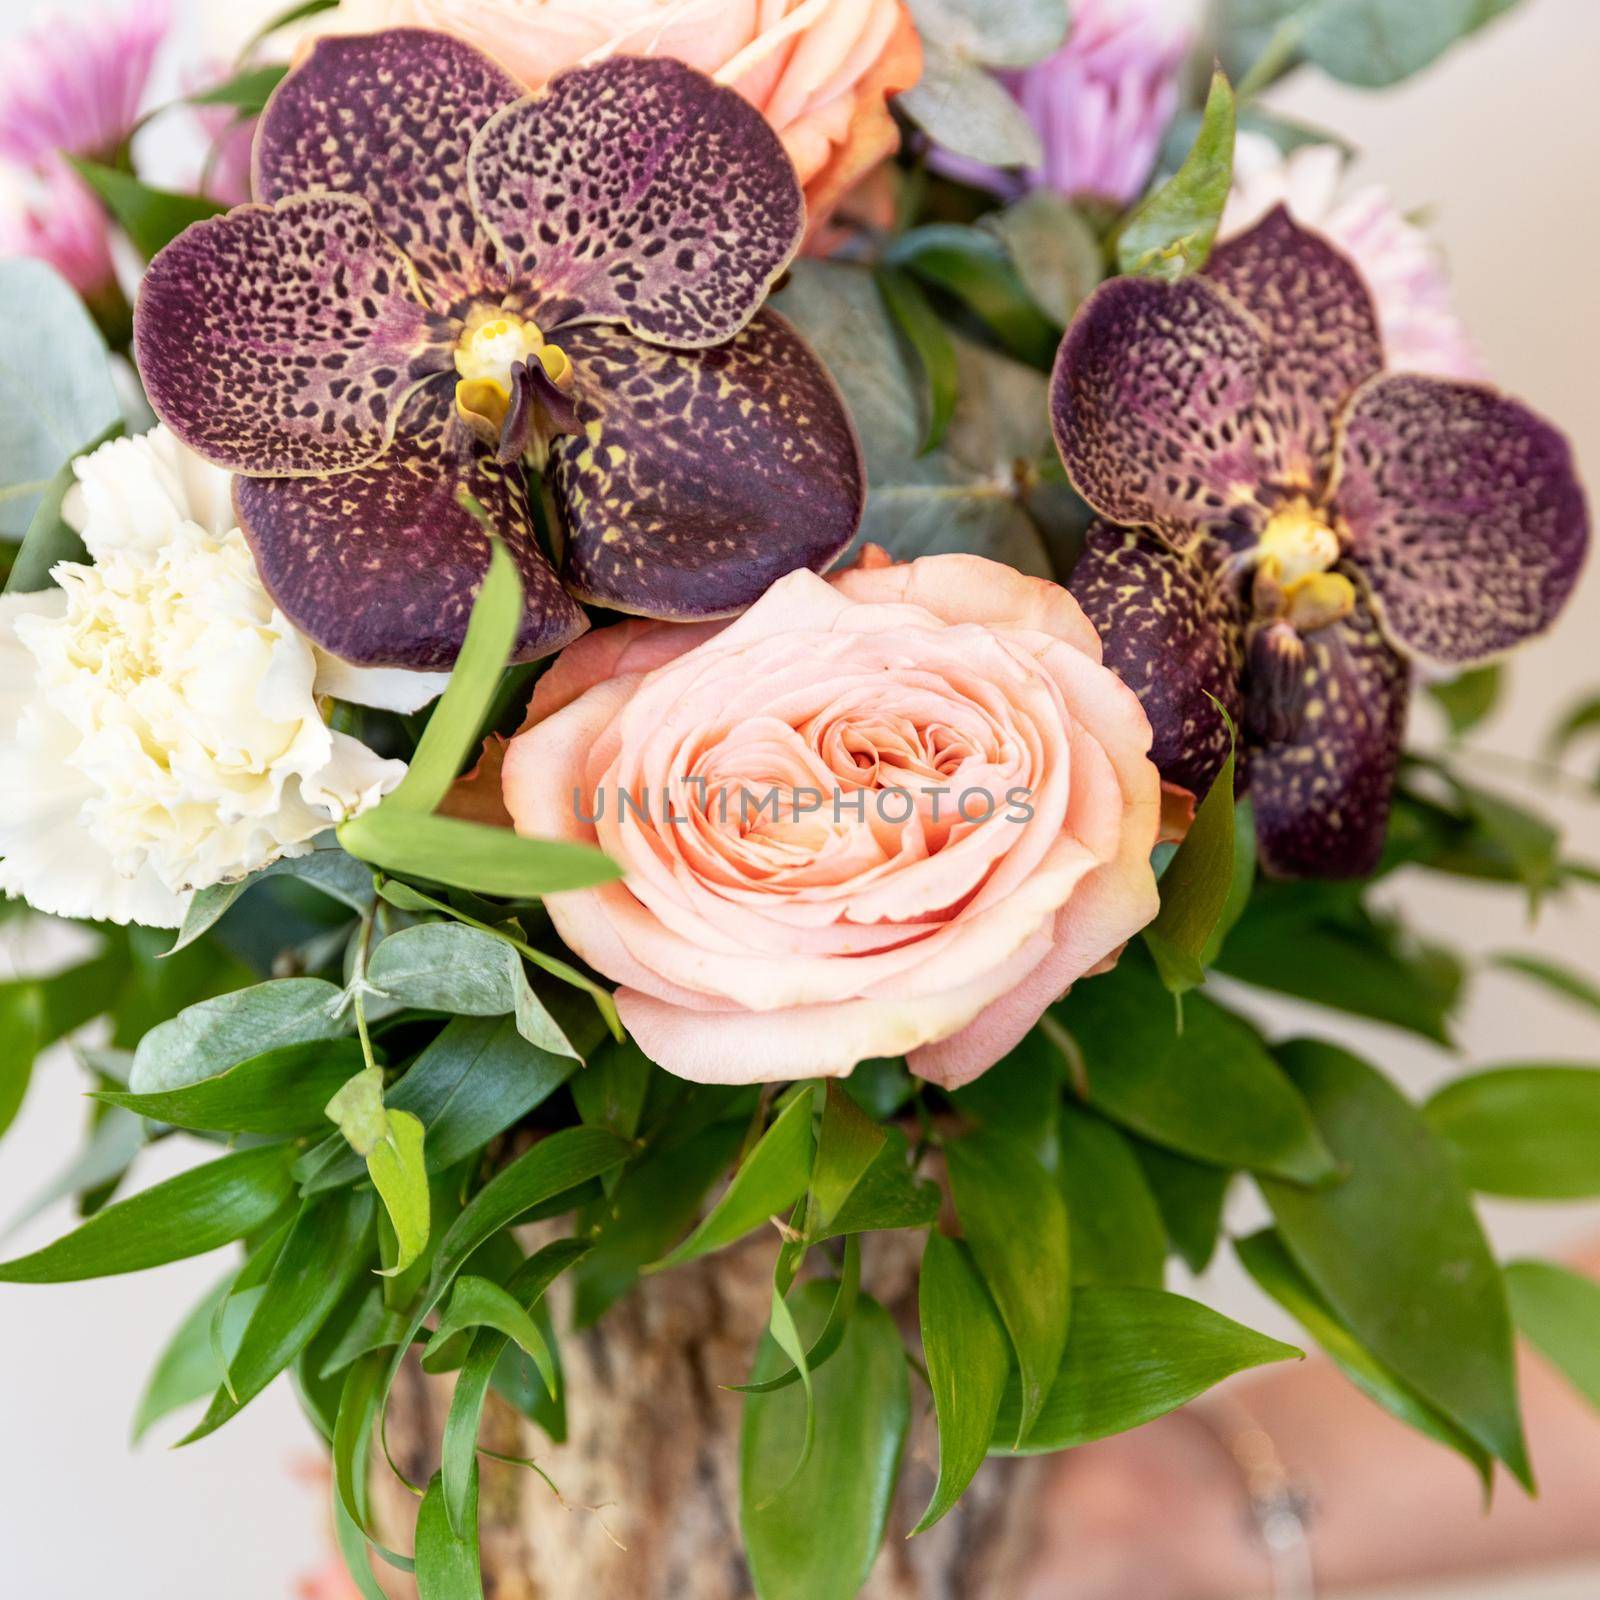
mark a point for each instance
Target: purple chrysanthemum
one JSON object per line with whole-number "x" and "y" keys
{"x": 73, "y": 85}
{"x": 443, "y": 276}
{"x": 1285, "y": 525}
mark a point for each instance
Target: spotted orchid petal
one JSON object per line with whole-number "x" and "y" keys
{"x": 1152, "y": 406}
{"x": 638, "y": 191}
{"x": 1464, "y": 513}
{"x": 285, "y": 339}
{"x": 380, "y": 565}
{"x": 1172, "y": 629}
{"x": 1321, "y": 796}
{"x": 390, "y": 117}
{"x": 702, "y": 476}
{"x": 1323, "y": 340}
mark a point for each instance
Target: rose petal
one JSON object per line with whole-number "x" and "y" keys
{"x": 1152, "y": 406}
{"x": 1171, "y": 627}
{"x": 703, "y": 476}
{"x": 286, "y": 339}
{"x": 696, "y": 215}
{"x": 390, "y": 117}
{"x": 1463, "y": 512}
{"x": 380, "y": 566}
{"x": 1323, "y": 338}
{"x": 1321, "y": 799}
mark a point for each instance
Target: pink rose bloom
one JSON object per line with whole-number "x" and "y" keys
{"x": 820, "y": 71}
{"x": 1101, "y": 103}
{"x": 980, "y": 835}
{"x": 51, "y": 215}
{"x": 74, "y": 84}
{"x": 1403, "y": 268}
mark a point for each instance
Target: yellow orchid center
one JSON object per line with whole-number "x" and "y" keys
{"x": 492, "y": 344}
{"x": 1293, "y": 582}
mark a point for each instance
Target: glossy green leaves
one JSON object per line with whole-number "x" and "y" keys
{"x": 1526, "y": 1132}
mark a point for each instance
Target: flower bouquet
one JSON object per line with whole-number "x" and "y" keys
{"x": 661, "y": 646}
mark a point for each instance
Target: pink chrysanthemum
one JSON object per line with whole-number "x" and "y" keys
{"x": 51, "y": 215}
{"x": 1101, "y": 103}
{"x": 74, "y": 84}
{"x": 1405, "y": 273}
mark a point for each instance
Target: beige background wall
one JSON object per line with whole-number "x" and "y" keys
{"x": 1502, "y": 143}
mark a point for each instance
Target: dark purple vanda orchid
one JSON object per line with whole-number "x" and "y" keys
{"x": 442, "y": 276}
{"x": 1286, "y": 527}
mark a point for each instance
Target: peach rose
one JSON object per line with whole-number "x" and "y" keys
{"x": 820, "y": 71}
{"x": 894, "y": 812}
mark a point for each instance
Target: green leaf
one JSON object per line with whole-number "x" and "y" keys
{"x": 1014, "y": 35}
{"x": 1558, "y": 1312}
{"x": 477, "y": 1303}
{"x": 1196, "y": 888}
{"x": 994, "y": 1182}
{"x": 524, "y": 1289}
{"x": 1116, "y": 1231}
{"x": 1211, "y": 1091}
{"x": 1133, "y": 1355}
{"x": 215, "y": 1035}
{"x": 391, "y": 1144}
{"x": 1020, "y": 1095}
{"x": 1397, "y": 1252}
{"x": 339, "y": 876}
{"x": 326, "y": 1246}
{"x": 610, "y": 1092}
{"x": 975, "y": 268}
{"x": 476, "y": 1078}
{"x": 360, "y": 1402}
{"x": 965, "y": 110}
{"x": 281, "y": 1092}
{"x": 1580, "y": 719}
{"x": 1054, "y": 250}
{"x": 452, "y": 728}
{"x": 847, "y": 1290}
{"x": 152, "y": 218}
{"x": 247, "y": 91}
{"x": 1562, "y": 980}
{"x": 1265, "y": 1259}
{"x": 970, "y": 494}
{"x": 967, "y": 1354}
{"x": 847, "y": 1145}
{"x": 930, "y": 343}
{"x": 56, "y": 396}
{"x": 198, "y": 1210}
{"x": 1528, "y": 1132}
{"x": 1469, "y": 697}
{"x": 22, "y": 1030}
{"x": 1529, "y": 843}
{"x": 187, "y": 1369}
{"x": 818, "y": 1538}
{"x": 655, "y": 1201}
{"x": 50, "y": 537}
{"x": 284, "y": 19}
{"x": 447, "y": 1561}
{"x": 472, "y": 856}
{"x": 447, "y": 966}
{"x": 888, "y": 1195}
{"x": 773, "y": 1176}
{"x": 1171, "y": 233}
{"x": 1189, "y": 1195}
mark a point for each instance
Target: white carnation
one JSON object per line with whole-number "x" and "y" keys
{"x": 161, "y": 721}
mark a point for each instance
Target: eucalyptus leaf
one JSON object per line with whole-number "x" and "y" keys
{"x": 339, "y": 876}
{"x": 199, "y": 1210}
{"x": 206, "y": 1039}
{"x": 1375, "y": 43}
{"x": 1171, "y": 233}
{"x": 1397, "y": 1251}
{"x": 771, "y": 1178}
{"x": 967, "y": 1354}
{"x": 1054, "y": 250}
{"x": 994, "y": 1181}
{"x": 963, "y": 109}
{"x": 1014, "y": 35}
{"x": 50, "y": 537}
{"x": 1528, "y": 1132}
{"x": 280, "y": 1092}
{"x": 1558, "y": 1312}
{"x": 1133, "y": 1355}
{"x": 1265, "y": 1259}
{"x": 56, "y": 394}
{"x": 817, "y": 1539}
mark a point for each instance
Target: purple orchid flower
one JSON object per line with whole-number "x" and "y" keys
{"x": 443, "y": 277}
{"x": 1286, "y": 527}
